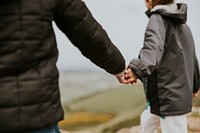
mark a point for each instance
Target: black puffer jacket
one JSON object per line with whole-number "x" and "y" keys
{"x": 167, "y": 63}
{"x": 29, "y": 92}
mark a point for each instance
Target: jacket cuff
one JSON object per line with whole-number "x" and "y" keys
{"x": 136, "y": 70}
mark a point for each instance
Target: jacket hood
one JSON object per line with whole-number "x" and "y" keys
{"x": 176, "y": 12}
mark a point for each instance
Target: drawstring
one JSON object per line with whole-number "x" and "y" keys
{"x": 148, "y": 104}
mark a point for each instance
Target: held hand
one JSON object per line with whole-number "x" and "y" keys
{"x": 130, "y": 76}
{"x": 196, "y": 94}
{"x": 127, "y": 77}
{"x": 120, "y": 77}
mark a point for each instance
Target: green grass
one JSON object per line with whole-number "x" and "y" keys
{"x": 121, "y": 100}
{"x": 125, "y": 103}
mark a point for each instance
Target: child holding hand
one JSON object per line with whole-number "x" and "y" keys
{"x": 167, "y": 66}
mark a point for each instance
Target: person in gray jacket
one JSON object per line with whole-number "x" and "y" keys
{"x": 29, "y": 91}
{"x": 167, "y": 66}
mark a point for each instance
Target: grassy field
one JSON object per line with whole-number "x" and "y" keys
{"x": 107, "y": 112}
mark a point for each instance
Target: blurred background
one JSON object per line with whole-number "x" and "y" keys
{"x": 93, "y": 100}
{"x": 125, "y": 23}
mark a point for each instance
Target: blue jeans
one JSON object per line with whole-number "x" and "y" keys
{"x": 49, "y": 129}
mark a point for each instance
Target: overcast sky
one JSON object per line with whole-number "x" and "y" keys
{"x": 125, "y": 23}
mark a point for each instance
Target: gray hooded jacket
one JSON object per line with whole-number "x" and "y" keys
{"x": 167, "y": 63}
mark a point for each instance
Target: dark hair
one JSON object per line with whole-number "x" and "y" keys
{"x": 161, "y": 2}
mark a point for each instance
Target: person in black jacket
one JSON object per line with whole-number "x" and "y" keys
{"x": 29, "y": 91}
{"x": 167, "y": 66}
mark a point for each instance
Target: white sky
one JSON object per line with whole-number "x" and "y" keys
{"x": 125, "y": 23}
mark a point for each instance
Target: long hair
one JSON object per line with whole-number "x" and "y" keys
{"x": 161, "y": 2}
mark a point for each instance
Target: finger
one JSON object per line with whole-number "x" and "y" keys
{"x": 122, "y": 80}
{"x": 132, "y": 80}
{"x": 125, "y": 81}
{"x": 126, "y": 71}
{"x": 126, "y": 76}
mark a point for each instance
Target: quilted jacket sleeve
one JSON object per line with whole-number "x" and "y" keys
{"x": 76, "y": 21}
{"x": 152, "y": 51}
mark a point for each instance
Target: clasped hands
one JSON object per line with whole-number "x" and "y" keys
{"x": 127, "y": 77}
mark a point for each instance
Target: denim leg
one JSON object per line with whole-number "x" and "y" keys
{"x": 49, "y": 129}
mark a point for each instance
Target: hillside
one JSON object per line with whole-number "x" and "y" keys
{"x": 114, "y": 109}
{"x": 105, "y": 112}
